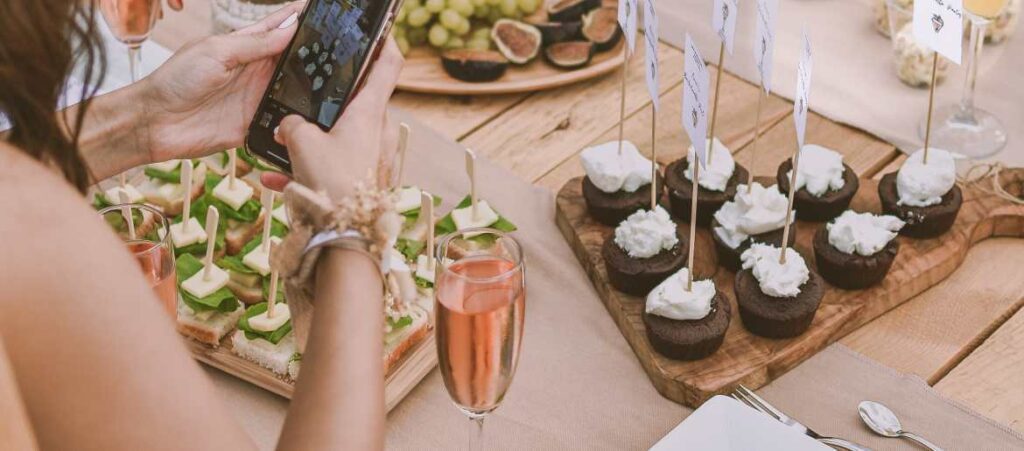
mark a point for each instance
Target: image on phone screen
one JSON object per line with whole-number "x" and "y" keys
{"x": 325, "y": 58}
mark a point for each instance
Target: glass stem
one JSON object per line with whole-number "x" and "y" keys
{"x": 977, "y": 40}
{"x": 135, "y": 62}
{"x": 476, "y": 433}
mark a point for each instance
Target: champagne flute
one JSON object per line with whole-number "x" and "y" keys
{"x": 480, "y": 301}
{"x": 148, "y": 239}
{"x": 131, "y": 21}
{"x": 962, "y": 127}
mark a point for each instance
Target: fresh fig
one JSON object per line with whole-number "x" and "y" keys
{"x": 601, "y": 26}
{"x": 570, "y": 54}
{"x": 552, "y": 32}
{"x": 571, "y": 10}
{"x": 519, "y": 42}
{"x": 474, "y": 65}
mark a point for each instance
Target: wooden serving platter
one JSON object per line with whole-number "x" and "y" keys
{"x": 754, "y": 361}
{"x": 423, "y": 73}
{"x": 409, "y": 371}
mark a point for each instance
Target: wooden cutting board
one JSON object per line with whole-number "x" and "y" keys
{"x": 754, "y": 361}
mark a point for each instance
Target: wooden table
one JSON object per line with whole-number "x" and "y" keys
{"x": 964, "y": 336}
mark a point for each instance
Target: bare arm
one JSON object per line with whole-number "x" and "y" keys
{"x": 339, "y": 400}
{"x": 114, "y": 135}
{"x": 15, "y": 430}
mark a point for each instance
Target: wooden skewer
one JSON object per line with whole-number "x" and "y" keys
{"x": 232, "y": 162}
{"x": 212, "y": 217}
{"x": 654, "y": 158}
{"x": 267, "y": 198}
{"x": 126, "y": 211}
{"x": 427, "y": 214}
{"x": 931, "y": 101}
{"x": 714, "y": 106}
{"x": 471, "y": 171}
{"x": 622, "y": 95}
{"x": 757, "y": 136}
{"x": 186, "y": 182}
{"x": 693, "y": 219}
{"x": 789, "y": 207}
{"x": 403, "y": 143}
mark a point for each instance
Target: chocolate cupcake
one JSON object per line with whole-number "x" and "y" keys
{"x": 645, "y": 249}
{"x": 775, "y": 315}
{"x": 729, "y": 257}
{"x": 680, "y": 188}
{"x": 754, "y": 216}
{"x": 826, "y": 184}
{"x": 612, "y": 208}
{"x": 857, "y": 249}
{"x": 925, "y": 196}
{"x": 692, "y": 338}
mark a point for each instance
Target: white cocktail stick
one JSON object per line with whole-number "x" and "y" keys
{"x": 789, "y": 207}
{"x": 212, "y": 217}
{"x": 403, "y": 143}
{"x": 471, "y": 171}
{"x": 186, "y": 203}
{"x": 122, "y": 179}
{"x": 232, "y": 162}
{"x": 267, "y": 198}
{"x": 654, "y": 157}
{"x": 272, "y": 296}
{"x": 427, "y": 214}
{"x": 126, "y": 211}
{"x": 622, "y": 95}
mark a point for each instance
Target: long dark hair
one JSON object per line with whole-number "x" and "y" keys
{"x": 40, "y": 43}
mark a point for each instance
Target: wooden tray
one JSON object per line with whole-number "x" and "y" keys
{"x": 408, "y": 372}
{"x": 754, "y": 361}
{"x": 423, "y": 73}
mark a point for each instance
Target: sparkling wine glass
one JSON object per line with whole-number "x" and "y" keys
{"x": 131, "y": 21}
{"x": 149, "y": 242}
{"x": 480, "y": 301}
{"x": 962, "y": 127}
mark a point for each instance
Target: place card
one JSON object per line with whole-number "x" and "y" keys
{"x": 764, "y": 46}
{"x": 803, "y": 89}
{"x": 695, "y": 99}
{"x": 723, "y": 21}
{"x": 939, "y": 25}
{"x": 651, "y": 53}
{"x": 627, "y": 21}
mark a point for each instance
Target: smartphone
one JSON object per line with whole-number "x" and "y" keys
{"x": 321, "y": 70}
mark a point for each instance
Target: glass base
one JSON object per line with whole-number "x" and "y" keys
{"x": 975, "y": 136}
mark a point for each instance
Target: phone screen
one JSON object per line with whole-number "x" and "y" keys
{"x": 317, "y": 75}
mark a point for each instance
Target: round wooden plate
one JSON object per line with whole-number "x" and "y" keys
{"x": 423, "y": 73}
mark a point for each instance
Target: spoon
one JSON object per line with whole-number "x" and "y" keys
{"x": 884, "y": 422}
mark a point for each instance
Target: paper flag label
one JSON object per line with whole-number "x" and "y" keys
{"x": 938, "y": 24}
{"x": 764, "y": 45}
{"x": 651, "y": 51}
{"x": 803, "y": 89}
{"x": 627, "y": 21}
{"x": 723, "y": 21}
{"x": 695, "y": 99}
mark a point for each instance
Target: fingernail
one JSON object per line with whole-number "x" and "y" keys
{"x": 289, "y": 21}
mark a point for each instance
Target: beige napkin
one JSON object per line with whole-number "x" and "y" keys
{"x": 579, "y": 386}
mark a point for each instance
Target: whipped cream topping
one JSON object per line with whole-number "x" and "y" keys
{"x": 646, "y": 233}
{"x": 716, "y": 175}
{"x": 862, "y": 233}
{"x": 750, "y": 213}
{"x": 919, "y": 184}
{"x": 779, "y": 280}
{"x": 820, "y": 171}
{"x": 671, "y": 299}
{"x": 612, "y": 172}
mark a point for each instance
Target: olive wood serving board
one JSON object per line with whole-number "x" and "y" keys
{"x": 423, "y": 73}
{"x": 754, "y": 361}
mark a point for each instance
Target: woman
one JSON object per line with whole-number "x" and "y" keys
{"x": 92, "y": 358}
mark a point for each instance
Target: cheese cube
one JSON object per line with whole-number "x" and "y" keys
{"x": 166, "y": 166}
{"x": 463, "y": 217}
{"x": 200, "y": 287}
{"x": 423, "y": 270}
{"x": 113, "y": 195}
{"x": 258, "y": 259}
{"x": 394, "y": 261}
{"x": 408, "y": 199}
{"x": 281, "y": 214}
{"x": 181, "y": 237}
{"x": 234, "y": 197}
{"x": 263, "y": 323}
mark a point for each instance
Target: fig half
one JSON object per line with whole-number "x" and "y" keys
{"x": 474, "y": 65}
{"x": 552, "y": 32}
{"x": 571, "y": 10}
{"x": 569, "y": 55}
{"x": 601, "y": 26}
{"x": 518, "y": 41}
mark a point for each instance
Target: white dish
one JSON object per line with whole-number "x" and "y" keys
{"x": 724, "y": 424}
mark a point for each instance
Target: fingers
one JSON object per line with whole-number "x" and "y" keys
{"x": 297, "y": 134}
{"x": 275, "y": 20}
{"x": 238, "y": 49}
{"x": 373, "y": 98}
{"x": 176, "y": 5}
{"x": 275, "y": 180}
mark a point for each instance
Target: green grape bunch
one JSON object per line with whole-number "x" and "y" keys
{"x": 454, "y": 24}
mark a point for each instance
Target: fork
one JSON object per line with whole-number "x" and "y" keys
{"x": 748, "y": 397}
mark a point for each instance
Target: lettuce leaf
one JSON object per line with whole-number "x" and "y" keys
{"x": 447, "y": 225}
{"x": 221, "y": 300}
{"x": 423, "y": 283}
{"x": 99, "y": 201}
{"x": 251, "y": 159}
{"x": 273, "y": 337}
{"x": 249, "y": 211}
{"x": 410, "y": 248}
{"x": 164, "y": 176}
{"x": 396, "y": 328}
